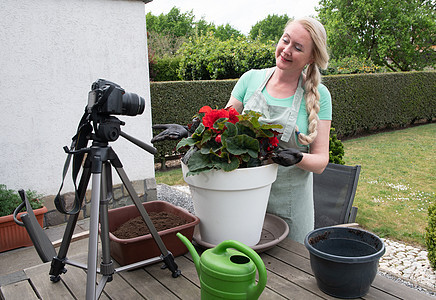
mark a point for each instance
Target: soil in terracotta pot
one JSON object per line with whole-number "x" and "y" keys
{"x": 136, "y": 227}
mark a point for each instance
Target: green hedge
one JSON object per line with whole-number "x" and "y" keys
{"x": 361, "y": 102}
{"x": 364, "y": 103}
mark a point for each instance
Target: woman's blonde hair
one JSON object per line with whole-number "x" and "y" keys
{"x": 313, "y": 75}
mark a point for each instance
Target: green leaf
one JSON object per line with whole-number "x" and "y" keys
{"x": 243, "y": 144}
{"x": 198, "y": 161}
{"x": 228, "y": 166}
{"x": 186, "y": 142}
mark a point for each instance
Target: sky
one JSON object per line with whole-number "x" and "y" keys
{"x": 240, "y": 14}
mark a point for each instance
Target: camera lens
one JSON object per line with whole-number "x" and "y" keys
{"x": 133, "y": 104}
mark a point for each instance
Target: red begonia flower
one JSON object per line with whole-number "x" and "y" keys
{"x": 205, "y": 109}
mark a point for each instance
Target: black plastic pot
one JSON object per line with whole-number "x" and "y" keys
{"x": 344, "y": 260}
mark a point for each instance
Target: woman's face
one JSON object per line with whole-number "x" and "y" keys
{"x": 294, "y": 50}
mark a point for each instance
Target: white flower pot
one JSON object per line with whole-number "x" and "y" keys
{"x": 231, "y": 205}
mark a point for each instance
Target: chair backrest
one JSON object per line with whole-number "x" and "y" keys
{"x": 333, "y": 195}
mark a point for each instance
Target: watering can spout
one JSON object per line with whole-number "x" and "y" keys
{"x": 194, "y": 254}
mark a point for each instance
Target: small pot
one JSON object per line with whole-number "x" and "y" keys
{"x": 344, "y": 260}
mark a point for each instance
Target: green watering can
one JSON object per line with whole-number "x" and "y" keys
{"x": 228, "y": 271}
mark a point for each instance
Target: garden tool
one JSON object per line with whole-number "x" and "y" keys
{"x": 228, "y": 271}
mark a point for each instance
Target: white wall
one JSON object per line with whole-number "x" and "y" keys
{"x": 51, "y": 51}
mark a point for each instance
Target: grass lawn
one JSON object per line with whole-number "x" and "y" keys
{"x": 397, "y": 181}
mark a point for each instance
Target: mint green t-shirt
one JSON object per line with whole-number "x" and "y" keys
{"x": 250, "y": 82}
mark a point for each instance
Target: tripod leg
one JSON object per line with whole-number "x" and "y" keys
{"x": 106, "y": 265}
{"x": 166, "y": 256}
{"x": 58, "y": 262}
{"x": 93, "y": 237}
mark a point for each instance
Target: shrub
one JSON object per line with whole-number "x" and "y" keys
{"x": 9, "y": 200}
{"x": 206, "y": 57}
{"x": 430, "y": 235}
{"x": 351, "y": 65}
{"x": 336, "y": 149}
{"x": 165, "y": 68}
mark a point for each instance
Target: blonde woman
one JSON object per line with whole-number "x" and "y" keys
{"x": 291, "y": 94}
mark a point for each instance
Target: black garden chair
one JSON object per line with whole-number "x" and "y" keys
{"x": 333, "y": 195}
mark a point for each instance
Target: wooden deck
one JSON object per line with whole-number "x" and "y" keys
{"x": 288, "y": 267}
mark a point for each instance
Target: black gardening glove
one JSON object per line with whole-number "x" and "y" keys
{"x": 171, "y": 132}
{"x": 175, "y": 131}
{"x": 287, "y": 157}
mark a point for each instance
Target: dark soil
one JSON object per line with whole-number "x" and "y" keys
{"x": 136, "y": 227}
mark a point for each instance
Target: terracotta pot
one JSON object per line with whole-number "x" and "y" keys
{"x": 127, "y": 251}
{"x": 13, "y": 236}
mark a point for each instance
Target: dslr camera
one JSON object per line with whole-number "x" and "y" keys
{"x": 108, "y": 98}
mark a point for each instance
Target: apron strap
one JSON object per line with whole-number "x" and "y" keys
{"x": 267, "y": 77}
{"x": 292, "y": 120}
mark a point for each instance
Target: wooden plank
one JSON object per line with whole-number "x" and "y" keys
{"x": 187, "y": 266}
{"x": 180, "y": 286}
{"x": 294, "y": 275}
{"x": 286, "y": 289}
{"x": 398, "y": 290}
{"x": 294, "y": 247}
{"x": 118, "y": 288}
{"x": 268, "y": 294}
{"x": 75, "y": 280}
{"x": 146, "y": 285}
{"x": 18, "y": 290}
{"x": 76, "y": 237}
{"x": 12, "y": 278}
{"x": 39, "y": 277}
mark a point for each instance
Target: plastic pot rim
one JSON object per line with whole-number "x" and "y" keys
{"x": 343, "y": 259}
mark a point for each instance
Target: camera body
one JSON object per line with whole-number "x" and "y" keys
{"x": 108, "y": 98}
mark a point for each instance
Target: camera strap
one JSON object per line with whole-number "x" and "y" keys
{"x": 80, "y": 141}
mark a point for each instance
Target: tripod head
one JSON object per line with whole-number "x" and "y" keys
{"x": 98, "y": 123}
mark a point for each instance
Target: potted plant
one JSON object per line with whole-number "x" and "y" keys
{"x": 12, "y": 235}
{"x": 229, "y": 171}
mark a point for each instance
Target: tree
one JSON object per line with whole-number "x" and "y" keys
{"x": 398, "y": 34}
{"x": 167, "y": 32}
{"x": 225, "y": 32}
{"x": 269, "y": 29}
{"x": 174, "y": 23}
{"x": 207, "y": 57}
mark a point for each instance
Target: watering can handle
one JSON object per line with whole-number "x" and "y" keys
{"x": 256, "y": 290}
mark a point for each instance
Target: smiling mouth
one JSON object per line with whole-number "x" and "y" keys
{"x": 285, "y": 59}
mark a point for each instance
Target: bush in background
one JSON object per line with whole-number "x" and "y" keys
{"x": 10, "y": 200}
{"x": 336, "y": 149}
{"x": 430, "y": 235}
{"x": 164, "y": 68}
{"x": 351, "y": 65}
{"x": 207, "y": 57}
